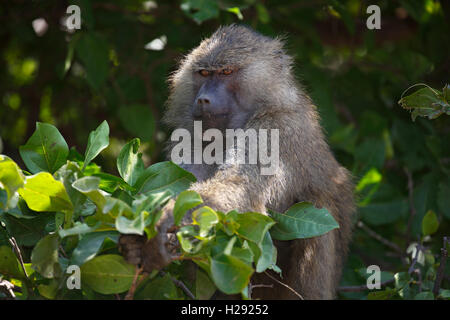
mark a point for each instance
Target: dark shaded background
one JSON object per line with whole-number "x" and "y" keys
{"x": 355, "y": 76}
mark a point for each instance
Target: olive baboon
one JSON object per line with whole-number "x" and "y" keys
{"x": 238, "y": 78}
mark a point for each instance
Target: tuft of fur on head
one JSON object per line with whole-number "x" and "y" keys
{"x": 264, "y": 67}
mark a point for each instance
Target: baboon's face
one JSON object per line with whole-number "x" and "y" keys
{"x": 216, "y": 101}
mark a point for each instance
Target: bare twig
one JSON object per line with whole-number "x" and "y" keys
{"x": 284, "y": 285}
{"x": 440, "y": 271}
{"x": 135, "y": 284}
{"x": 181, "y": 285}
{"x": 380, "y": 238}
{"x": 18, "y": 253}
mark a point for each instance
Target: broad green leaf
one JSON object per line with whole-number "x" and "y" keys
{"x": 11, "y": 179}
{"x": 443, "y": 199}
{"x": 382, "y": 213}
{"x": 92, "y": 50}
{"x": 444, "y": 293}
{"x": 9, "y": 265}
{"x": 108, "y": 208}
{"x": 27, "y": 231}
{"x": 77, "y": 229}
{"x": 426, "y": 295}
{"x": 43, "y": 193}
{"x": 302, "y": 220}
{"x": 187, "y": 238}
{"x": 231, "y": 275}
{"x": 253, "y": 226}
{"x": 111, "y": 183}
{"x": 205, "y": 218}
{"x": 46, "y": 150}
{"x": 204, "y": 287}
{"x": 49, "y": 291}
{"x": 430, "y": 223}
{"x": 132, "y": 226}
{"x": 89, "y": 246}
{"x": 186, "y": 200}
{"x": 97, "y": 141}
{"x": 108, "y": 274}
{"x": 425, "y": 102}
{"x": 68, "y": 174}
{"x": 150, "y": 202}
{"x": 200, "y": 10}
{"x": 265, "y": 253}
{"x": 138, "y": 120}
{"x": 44, "y": 257}
{"x": 160, "y": 288}
{"x": 164, "y": 176}
{"x": 129, "y": 162}
{"x": 89, "y": 186}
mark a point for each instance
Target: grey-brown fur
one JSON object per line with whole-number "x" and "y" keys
{"x": 272, "y": 98}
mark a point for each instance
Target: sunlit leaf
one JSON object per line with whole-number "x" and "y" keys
{"x": 302, "y": 220}
{"x": 46, "y": 150}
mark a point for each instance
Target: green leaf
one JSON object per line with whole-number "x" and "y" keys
{"x": 68, "y": 174}
{"x": 443, "y": 199}
{"x": 187, "y": 236}
{"x": 200, "y": 10}
{"x": 231, "y": 275}
{"x": 430, "y": 223}
{"x": 97, "y": 141}
{"x": 77, "y": 229}
{"x": 27, "y": 231}
{"x": 151, "y": 202}
{"x": 204, "y": 287}
{"x": 382, "y": 213}
{"x": 164, "y": 176}
{"x": 132, "y": 226}
{"x": 426, "y": 295}
{"x": 186, "y": 200}
{"x": 161, "y": 288}
{"x": 9, "y": 265}
{"x": 44, "y": 257}
{"x": 108, "y": 274}
{"x": 129, "y": 162}
{"x": 237, "y": 12}
{"x": 444, "y": 293}
{"x": 43, "y": 193}
{"x": 93, "y": 52}
{"x": 110, "y": 183}
{"x": 302, "y": 220}
{"x": 265, "y": 253}
{"x": 206, "y": 218}
{"x": 138, "y": 120}
{"x": 89, "y": 186}
{"x": 89, "y": 246}
{"x": 425, "y": 102}
{"x": 46, "y": 150}
{"x": 11, "y": 179}
{"x": 253, "y": 226}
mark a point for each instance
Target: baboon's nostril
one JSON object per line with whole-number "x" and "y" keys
{"x": 203, "y": 101}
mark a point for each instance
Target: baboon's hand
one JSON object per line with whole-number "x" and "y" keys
{"x": 154, "y": 253}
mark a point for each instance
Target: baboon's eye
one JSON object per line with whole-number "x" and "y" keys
{"x": 227, "y": 71}
{"x": 204, "y": 72}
